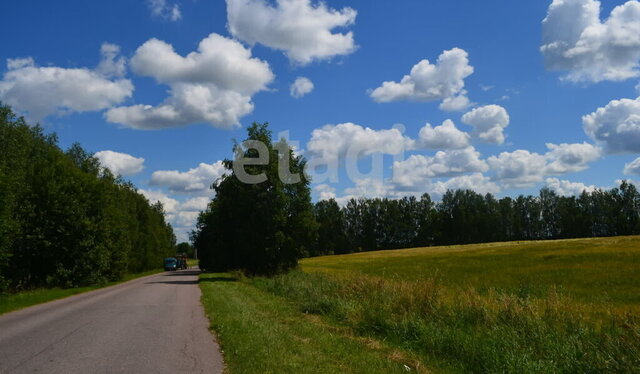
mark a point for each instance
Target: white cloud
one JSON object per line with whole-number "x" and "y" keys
{"x": 195, "y": 204}
{"x": 120, "y": 163}
{"x": 522, "y": 168}
{"x": 299, "y": 28}
{"x": 617, "y": 125}
{"x": 43, "y": 91}
{"x": 431, "y": 82}
{"x": 170, "y": 205}
{"x": 488, "y": 122}
{"x": 331, "y": 142}
{"x": 574, "y": 39}
{"x": 162, "y": 9}
{"x": 418, "y": 169}
{"x": 633, "y": 167}
{"x": 567, "y": 188}
{"x": 300, "y": 87}
{"x": 445, "y": 136}
{"x": 568, "y": 158}
{"x": 325, "y": 191}
{"x": 455, "y": 103}
{"x": 475, "y": 182}
{"x": 213, "y": 85}
{"x": 181, "y": 216}
{"x": 111, "y": 64}
{"x": 196, "y": 180}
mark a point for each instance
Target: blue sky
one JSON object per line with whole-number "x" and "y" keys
{"x": 509, "y": 98}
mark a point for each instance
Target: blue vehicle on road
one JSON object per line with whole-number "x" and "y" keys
{"x": 170, "y": 264}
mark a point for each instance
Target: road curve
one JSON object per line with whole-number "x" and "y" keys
{"x": 153, "y": 324}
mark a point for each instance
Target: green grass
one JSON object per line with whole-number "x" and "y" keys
{"x": 602, "y": 270}
{"x": 192, "y": 262}
{"x": 263, "y": 333}
{"x": 20, "y": 300}
{"x": 566, "y": 306}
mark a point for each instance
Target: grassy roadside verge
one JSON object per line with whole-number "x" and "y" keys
{"x": 263, "y": 333}
{"x": 20, "y": 300}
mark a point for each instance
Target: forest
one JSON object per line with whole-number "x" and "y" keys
{"x": 464, "y": 217}
{"x": 65, "y": 220}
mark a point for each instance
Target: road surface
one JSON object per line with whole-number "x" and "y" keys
{"x": 154, "y": 324}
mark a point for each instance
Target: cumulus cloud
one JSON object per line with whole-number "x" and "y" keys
{"x": 418, "y": 169}
{"x": 213, "y": 85}
{"x": 195, "y": 181}
{"x": 300, "y": 87}
{"x": 616, "y": 125}
{"x": 331, "y": 142}
{"x": 170, "y": 205}
{"x": 43, "y": 91}
{"x": 522, "y": 168}
{"x": 488, "y": 123}
{"x": 567, "y": 188}
{"x": 574, "y": 39}
{"x": 324, "y": 191}
{"x": 432, "y": 82}
{"x": 181, "y": 215}
{"x": 633, "y": 167}
{"x": 164, "y": 10}
{"x": 120, "y": 163}
{"x": 304, "y": 31}
{"x": 567, "y": 158}
{"x": 476, "y": 182}
{"x": 445, "y": 136}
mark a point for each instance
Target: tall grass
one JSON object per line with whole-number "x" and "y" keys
{"x": 473, "y": 330}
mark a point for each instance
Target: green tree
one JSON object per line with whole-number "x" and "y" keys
{"x": 260, "y": 228}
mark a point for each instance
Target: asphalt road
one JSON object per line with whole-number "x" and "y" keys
{"x": 154, "y": 324}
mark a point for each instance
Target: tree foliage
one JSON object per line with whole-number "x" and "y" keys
{"x": 464, "y": 216}
{"x": 67, "y": 221}
{"x": 260, "y": 228}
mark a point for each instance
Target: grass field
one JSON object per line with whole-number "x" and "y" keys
{"x": 568, "y": 306}
{"x": 20, "y": 300}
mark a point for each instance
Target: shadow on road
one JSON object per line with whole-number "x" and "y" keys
{"x": 182, "y": 282}
{"x": 218, "y": 279}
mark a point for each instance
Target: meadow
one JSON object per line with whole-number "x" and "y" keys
{"x": 569, "y": 306}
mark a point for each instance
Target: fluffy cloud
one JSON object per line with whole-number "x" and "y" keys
{"x": 331, "y": 142}
{"x": 182, "y": 215}
{"x": 617, "y": 125}
{"x": 522, "y": 168}
{"x": 120, "y": 163}
{"x": 431, "y": 82}
{"x": 632, "y": 168}
{"x": 42, "y": 91}
{"x": 164, "y": 10}
{"x": 300, "y": 87}
{"x": 476, "y": 182}
{"x": 445, "y": 136}
{"x": 299, "y": 28}
{"x": 325, "y": 191}
{"x": 574, "y": 39}
{"x": 567, "y": 188}
{"x": 488, "y": 123}
{"x": 569, "y": 158}
{"x": 213, "y": 85}
{"x": 170, "y": 205}
{"x": 418, "y": 169}
{"x": 196, "y": 180}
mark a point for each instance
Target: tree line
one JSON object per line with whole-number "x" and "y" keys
{"x": 264, "y": 228}
{"x": 464, "y": 216}
{"x": 67, "y": 221}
